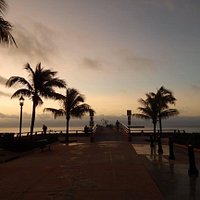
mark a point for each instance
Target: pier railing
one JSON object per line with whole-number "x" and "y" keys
{"x": 147, "y": 132}
{"x": 93, "y": 132}
{"x": 124, "y": 129}
{"x": 76, "y": 131}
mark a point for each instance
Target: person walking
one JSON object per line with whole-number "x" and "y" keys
{"x": 44, "y": 128}
{"x": 117, "y": 125}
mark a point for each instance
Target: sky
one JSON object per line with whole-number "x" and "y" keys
{"x": 112, "y": 51}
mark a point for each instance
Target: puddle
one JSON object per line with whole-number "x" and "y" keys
{"x": 144, "y": 149}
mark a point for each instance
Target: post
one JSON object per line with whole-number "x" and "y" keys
{"x": 129, "y": 123}
{"x": 171, "y": 149}
{"x": 192, "y": 171}
{"x": 129, "y": 117}
{"x": 21, "y": 103}
{"x": 160, "y": 150}
{"x": 129, "y": 135}
{"x": 91, "y": 118}
{"x": 92, "y": 137}
{"x": 151, "y": 141}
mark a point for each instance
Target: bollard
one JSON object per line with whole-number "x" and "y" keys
{"x": 91, "y": 137}
{"x": 171, "y": 149}
{"x": 192, "y": 171}
{"x": 151, "y": 141}
{"x": 129, "y": 136}
{"x": 160, "y": 150}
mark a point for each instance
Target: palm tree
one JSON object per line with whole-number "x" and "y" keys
{"x": 148, "y": 110}
{"x": 41, "y": 83}
{"x": 72, "y": 105}
{"x": 164, "y": 97}
{"x": 5, "y": 27}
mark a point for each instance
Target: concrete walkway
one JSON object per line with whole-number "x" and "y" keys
{"x": 106, "y": 169}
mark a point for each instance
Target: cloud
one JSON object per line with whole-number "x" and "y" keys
{"x": 196, "y": 88}
{"x": 93, "y": 64}
{"x": 37, "y": 42}
{"x": 169, "y": 4}
{"x": 4, "y": 94}
{"x": 2, "y": 80}
{"x": 135, "y": 62}
{"x": 5, "y": 116}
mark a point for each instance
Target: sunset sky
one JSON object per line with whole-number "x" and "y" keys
{"x": 112, "y": 51}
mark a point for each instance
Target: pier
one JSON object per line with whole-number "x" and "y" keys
{"x": 110, "y": 167}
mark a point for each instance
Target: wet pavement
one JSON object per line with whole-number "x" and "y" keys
{"x": 104, "y": 170}
{"x": 170, "y": 176}
{"x": 111, "y": 167}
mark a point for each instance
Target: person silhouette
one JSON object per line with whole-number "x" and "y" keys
{"x": 44, "y": 128}
{"x": 86, "y": 129}
{"x": 117, "y": 125}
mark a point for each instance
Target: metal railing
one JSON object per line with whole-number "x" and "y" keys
{"x": 124, "y": 129}
{"x": 62, "y": 131}
{"x": 93, "y": 133}
{"x": 150, "y": 131}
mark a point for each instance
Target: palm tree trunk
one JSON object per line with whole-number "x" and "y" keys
{"x": 67, "y": 129}
{"x": 160, "y": 124}
{"x": 32, "y": 119}
{"x": 154, "y": 131}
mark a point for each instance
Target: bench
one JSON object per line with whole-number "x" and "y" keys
{"x": 44, "y": 144}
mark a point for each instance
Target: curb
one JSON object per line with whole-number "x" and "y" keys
{"x": 185, "y": 147}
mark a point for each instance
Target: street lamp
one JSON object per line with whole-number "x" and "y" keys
{"x": 21, "y": 103}
{"x": 91, "y": 117}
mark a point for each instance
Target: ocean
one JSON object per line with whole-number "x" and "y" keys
{"x": 187, "y": 129}
{"x": 27, "y": 129}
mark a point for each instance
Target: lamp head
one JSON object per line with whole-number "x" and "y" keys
{"x": 21, "y": 101}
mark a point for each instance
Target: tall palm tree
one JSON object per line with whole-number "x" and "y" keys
{"x": 148, "y": 110}
{"x": 72, "y": 105}
{"x": 41, "y": 83}
{"x": 5, "y": 27}
{"x": 164, "y": 97}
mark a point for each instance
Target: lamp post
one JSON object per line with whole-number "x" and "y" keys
{"x": 21, "y": 103}
{"x": 129, "y": 113}
{"x": 91, "y": 117}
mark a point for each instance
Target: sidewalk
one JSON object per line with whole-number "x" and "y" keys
{"x": 6, "y": 155}
{"x": 98, "y": 171}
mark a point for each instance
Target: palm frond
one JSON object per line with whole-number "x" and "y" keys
{"x": 80, "y": 110}
{"x": 5, "y": 33}
{"x": 169, "y": 113}
{"x": 142, "y": 116}
{"x": 3, "y": 6}
{"x": 37, "y": 100}
{"x": 55, "y": 82}
{"x": 142, "y": 101}
{"x": 48, "y": 94}
{"x": 29, "y": 69}
{"x": 22, "y": 92}
{"x": 73, "y": 98}
{"x": 55, "y": 112}
{"x": 17, "y": 79}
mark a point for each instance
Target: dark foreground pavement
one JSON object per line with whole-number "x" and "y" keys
{"x": 97, "y": 171}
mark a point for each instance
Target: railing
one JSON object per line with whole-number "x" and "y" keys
{"x": 150, "y": 131}
{"x": 77, "y": 131}
{"x": 93, "y": 133}
{"x": 125, "y": 130}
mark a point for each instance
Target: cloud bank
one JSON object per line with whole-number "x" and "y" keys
{"x": 92, "y": 64}
{"x": 2, "y": 80}
{"x": 135, "y": 62}
{"x": 36, "y": 43}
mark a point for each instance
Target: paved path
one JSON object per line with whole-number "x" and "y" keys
{"x": 106, "y": 169}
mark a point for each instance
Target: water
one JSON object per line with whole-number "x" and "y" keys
{"x": 195, "y": 129}
{"x": 187, "y": 129}
{"x": 27, "y": 129}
